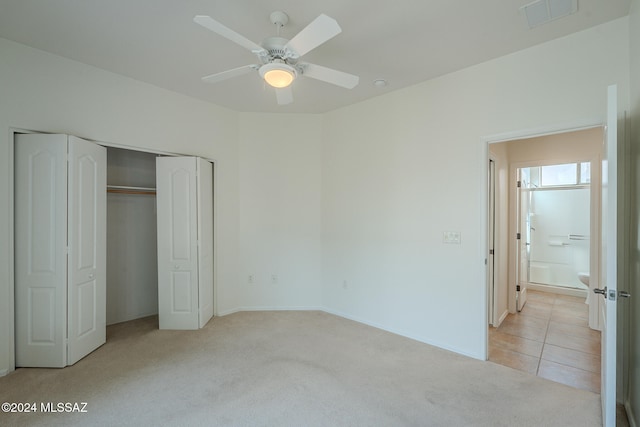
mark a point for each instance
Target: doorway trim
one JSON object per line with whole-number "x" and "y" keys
{"x": 491, "y": 243}
{"x": 544, "y": 130}
{"x": 11, "y": 348}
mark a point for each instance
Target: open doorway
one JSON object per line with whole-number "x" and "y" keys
{"x": 553, "y": 334}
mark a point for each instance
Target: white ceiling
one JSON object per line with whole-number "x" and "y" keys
{"x": 402, "y": 41}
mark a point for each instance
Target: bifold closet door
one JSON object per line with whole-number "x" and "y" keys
{"x": 185, "y": 279}
{"x": 60, "y": 249}
{"x": 205, "y": 241}
{"x": 87, "y": 259}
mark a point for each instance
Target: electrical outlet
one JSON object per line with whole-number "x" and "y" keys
{"x": 250, "y": 279}
{"x": 274, "y": 278}
{"x": 451, "y": 237}
{"x": 345, "y": 285}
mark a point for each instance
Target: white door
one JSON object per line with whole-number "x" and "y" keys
{"x": 40, "y": 250}
{"x": 608, "y": 276}
{"x": 176, "y": 197}
{"x": 205, "y": 240}
{"x": 60, "y": 235}
{"x": 87, "y": 259}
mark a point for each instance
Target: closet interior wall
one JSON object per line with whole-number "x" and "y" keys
{"x": 132, "y": 260}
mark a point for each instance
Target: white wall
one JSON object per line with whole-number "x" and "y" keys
{"x": 43, "y": 92}
{"x": 400, "y": 169}
{"x": 280, "y": 211}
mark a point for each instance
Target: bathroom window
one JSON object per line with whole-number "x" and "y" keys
{"x": 553, "y": 175}
{"x": 565, "y": 174}
{"x": 585, "y": 173}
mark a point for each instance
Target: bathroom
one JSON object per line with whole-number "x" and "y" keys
{"x": 555, "y": 219}
{"x": 556, "y": 210}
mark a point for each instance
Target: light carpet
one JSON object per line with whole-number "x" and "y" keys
{"x": 288, "y": 369}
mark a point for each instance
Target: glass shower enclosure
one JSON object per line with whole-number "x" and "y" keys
{"x": 554, "y": 225}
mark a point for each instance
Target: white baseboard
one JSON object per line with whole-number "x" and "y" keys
{"x": 227, "y": 312}
{"x": 270, "y": 308}
{"x": 131, "y": 317}
{"x": 285, "y": 308}
{"x": 502, "y": 317}
{"x": 355, "y": 319}
{"x": 574, "y": 292}
{"x": 3, "y": 372}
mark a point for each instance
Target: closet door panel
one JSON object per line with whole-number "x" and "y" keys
{"x": 87, "y": 206}
{"x": 205, "y": 239}
{"x": 176, "y": 197}
{"x": 40, "y": 250}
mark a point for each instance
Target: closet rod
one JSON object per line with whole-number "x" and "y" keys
{"x": 122, "y": 189}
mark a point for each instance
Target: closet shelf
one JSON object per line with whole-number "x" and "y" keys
{"x": 123, "y": 189}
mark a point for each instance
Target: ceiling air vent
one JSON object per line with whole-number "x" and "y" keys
{"x": 542, "y": 11}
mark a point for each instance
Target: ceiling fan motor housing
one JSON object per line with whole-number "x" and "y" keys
{"x": 275, "y": 46}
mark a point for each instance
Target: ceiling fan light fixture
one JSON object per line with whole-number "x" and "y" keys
{"x": 278, "y": 74}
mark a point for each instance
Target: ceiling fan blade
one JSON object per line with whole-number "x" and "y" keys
{"x": 329, "y": 75}
{"x": 284, "y": 95}
{"x": 215, "y": 26}
{"x": 313, "y": 35}
{"x": 218, "y": 77}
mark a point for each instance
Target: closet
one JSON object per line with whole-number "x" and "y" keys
{"x": 92, "y": 248}
{"x": 132, "y": 261}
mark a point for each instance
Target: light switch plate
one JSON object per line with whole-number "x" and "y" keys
{"x": 452, "y": 237}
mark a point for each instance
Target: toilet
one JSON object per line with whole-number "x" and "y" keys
{"x": 584, "y": 278}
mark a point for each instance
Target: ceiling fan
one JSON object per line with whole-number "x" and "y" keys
{"x": 279, "y": 58}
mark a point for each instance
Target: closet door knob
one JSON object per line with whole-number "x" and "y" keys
{"x": 91, "y": 276}
{"x": 177, "y": 267}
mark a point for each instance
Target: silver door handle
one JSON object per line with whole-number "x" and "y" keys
{"x": 624, "y": 294}
{"x": 602, "y": 292}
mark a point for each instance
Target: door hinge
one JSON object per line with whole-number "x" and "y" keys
{"x": 490, "y": 251}
{"x": 519, "y": 184}
{"x": 517, "y": 236}
{"x": 517, "y": 288}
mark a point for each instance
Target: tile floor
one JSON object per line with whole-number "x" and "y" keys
{"x": 550, "y": 338}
